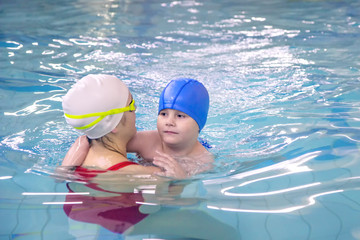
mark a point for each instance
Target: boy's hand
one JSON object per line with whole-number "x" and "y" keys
{"x": 171, "y": 167}
{"x": 77, "y": 152}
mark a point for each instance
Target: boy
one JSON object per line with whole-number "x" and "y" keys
{"x": 183, "y": 110}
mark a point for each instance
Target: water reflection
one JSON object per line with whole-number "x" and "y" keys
{"x": 285, "y": 187}
{"x": 136, "y": 205}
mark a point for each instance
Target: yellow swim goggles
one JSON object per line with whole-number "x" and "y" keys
{"x": 101, "y": 115}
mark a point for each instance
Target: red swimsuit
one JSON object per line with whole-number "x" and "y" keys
{"x": 116, "y": 213}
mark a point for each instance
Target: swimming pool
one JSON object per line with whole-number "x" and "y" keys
{"x": 284, "y": 83}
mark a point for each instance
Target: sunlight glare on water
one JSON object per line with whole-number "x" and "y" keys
{"x": 283, "y": 79}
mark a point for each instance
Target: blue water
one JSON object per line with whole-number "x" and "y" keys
{"x": 284, "y": 121}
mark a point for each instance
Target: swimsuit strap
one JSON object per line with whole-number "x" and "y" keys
{"x": 121, "y": 165}
{"x": 90, "y": 173}
{"x": 205, "y": 143}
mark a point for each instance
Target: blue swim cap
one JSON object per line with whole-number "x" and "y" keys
{"x": 186, "y": 95}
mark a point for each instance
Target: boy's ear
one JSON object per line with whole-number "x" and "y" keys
{"x": 115, "y": 130}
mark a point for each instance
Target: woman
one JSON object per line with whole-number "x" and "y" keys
{"x": 102, "y": 107}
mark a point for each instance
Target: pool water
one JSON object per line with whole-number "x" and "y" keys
{"x": 284, "y": 120}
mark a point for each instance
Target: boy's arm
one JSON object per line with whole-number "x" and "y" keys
{"x": 143, "y": 143}
{"x": 77, "y": 152}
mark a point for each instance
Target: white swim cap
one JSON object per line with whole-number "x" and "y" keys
{"x": 89, "y": 105}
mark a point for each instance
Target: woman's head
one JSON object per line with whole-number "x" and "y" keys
{"x": 95, "y": 105}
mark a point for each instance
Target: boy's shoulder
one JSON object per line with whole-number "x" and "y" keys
{"x": 150, "y": 133}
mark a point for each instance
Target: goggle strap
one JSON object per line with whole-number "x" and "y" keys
{"x": 101, "y": 115}
{"x": 91, "y": 124}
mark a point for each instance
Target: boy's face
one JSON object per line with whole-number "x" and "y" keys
{"x": 176, "y": 127}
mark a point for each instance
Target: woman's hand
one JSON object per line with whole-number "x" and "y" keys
{"x": 77, "y": 152}
{"x": 171, "y": 168}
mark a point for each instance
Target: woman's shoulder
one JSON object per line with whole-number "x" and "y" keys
{"x": 103, "y": 158}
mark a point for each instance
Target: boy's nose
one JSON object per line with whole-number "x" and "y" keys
{"x": 170, "y": 121}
